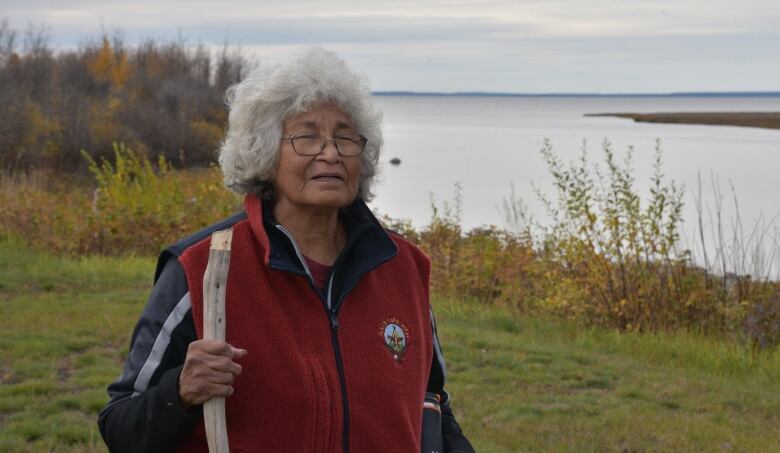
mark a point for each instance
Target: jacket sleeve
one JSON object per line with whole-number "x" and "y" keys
{"x": 454, "y": 439}
{"x": 144, "y": 412}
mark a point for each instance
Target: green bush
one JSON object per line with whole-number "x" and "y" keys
{"x": 135, "y": 207}
{"x": 623, "y": 255}
{"x": 487, "y": 263}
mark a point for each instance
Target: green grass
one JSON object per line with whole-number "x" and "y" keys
{"x": 533, "y": 384}
{"x": 518, "y": 383}
{"x": 64, "y": 330}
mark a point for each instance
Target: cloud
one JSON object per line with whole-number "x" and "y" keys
{"x": 393, "y": 20}
{"x": 529, "y": 45}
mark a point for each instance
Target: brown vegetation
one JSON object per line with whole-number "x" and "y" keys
{"x": 132, "y": 206}
{"x": 608, "y": 258}
{"x": 159, "y": 98}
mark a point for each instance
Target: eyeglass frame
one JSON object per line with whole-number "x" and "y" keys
{"x": 363, "y": 142}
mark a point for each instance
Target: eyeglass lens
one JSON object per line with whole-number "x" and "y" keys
{"x": 311, "y": 145}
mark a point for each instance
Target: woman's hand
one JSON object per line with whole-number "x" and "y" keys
{"x": 208, "y": 372}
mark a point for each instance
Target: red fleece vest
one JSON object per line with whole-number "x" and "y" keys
{"x": 288, "y": 396}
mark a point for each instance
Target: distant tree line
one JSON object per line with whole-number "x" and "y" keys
{"x": 158, "y": 98}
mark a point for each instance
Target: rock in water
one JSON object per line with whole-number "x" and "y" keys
{"x": 395, "y": 161}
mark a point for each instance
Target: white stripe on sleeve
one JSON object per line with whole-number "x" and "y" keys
{"x": 161, "y": 344}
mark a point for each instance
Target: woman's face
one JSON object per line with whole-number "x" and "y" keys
{"x": 326, "y": 180}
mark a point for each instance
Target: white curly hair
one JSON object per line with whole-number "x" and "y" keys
{"x": 261, "y": 103}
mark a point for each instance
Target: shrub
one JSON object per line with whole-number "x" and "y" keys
{"x": 136, "y": 207}
{"x": 42, "y": 210}
{"x": 486, "y": 264}
{"x": 623, "y": 255}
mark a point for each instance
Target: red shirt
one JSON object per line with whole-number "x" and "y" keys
{"x": 319, "y": 272}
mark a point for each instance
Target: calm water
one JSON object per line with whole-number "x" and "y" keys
{"x": 486, "y": 143}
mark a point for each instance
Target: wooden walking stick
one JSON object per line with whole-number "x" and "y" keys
{"x": 214, "y": 284}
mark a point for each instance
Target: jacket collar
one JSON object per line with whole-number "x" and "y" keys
{"x": 367, "y": 246}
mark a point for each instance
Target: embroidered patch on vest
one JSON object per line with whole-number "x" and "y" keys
{"x": 396, "y": 337}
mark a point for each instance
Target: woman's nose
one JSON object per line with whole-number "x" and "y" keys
{"x": 329, "y": 152}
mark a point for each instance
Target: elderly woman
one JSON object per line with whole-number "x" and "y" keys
{"x": 331, "y": 345}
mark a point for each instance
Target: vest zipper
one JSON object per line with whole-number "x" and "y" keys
{"x": 334, "y": 323}
{"x": 333, "y": 316}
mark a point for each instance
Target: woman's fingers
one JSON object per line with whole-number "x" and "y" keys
{"x": 206, "y": 391}
{"x": 214, "y": 362}
{"x": 219, "y": 377}
{"x": 208, "y": 371}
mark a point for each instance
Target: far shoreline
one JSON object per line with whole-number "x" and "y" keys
{"x": 680, "y": 94}
{"x": 765, "y": 120}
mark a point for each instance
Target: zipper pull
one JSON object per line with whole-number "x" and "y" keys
{"x": 334, "y": 320}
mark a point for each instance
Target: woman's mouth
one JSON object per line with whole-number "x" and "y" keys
{"x": 326, "y": 177}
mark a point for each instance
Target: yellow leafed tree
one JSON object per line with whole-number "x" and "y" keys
{"x": 109, "y": 66}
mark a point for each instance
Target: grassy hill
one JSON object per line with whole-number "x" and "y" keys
{"x": 519, "y": 383}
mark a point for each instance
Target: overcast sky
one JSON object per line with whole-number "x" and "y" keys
{"x": 530, "y": 46}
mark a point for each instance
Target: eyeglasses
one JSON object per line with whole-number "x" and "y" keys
{"x": 311, "y": 145}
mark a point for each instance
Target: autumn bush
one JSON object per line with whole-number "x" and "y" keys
{"x": 486, "y": 264}
{"x": 131, "y": 206}
{"x": 624, "y": 255}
